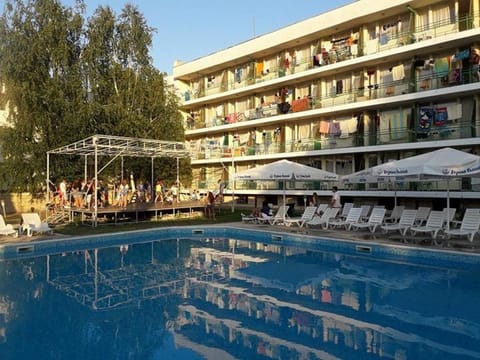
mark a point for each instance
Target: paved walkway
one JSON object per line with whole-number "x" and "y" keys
{"x": 420, "y": 240}
{"x": 458, "y": 244}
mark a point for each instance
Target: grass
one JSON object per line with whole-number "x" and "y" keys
{"x": 224, "y": 215}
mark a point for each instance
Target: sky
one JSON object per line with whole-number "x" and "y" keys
{"x": 189, "y": 29}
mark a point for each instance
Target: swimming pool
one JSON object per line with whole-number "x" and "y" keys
{"x": 220, "y": 293}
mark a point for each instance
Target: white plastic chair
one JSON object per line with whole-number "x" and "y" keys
{"x": 307, "y": 215}
{"x": 353, "y": 216}
{"x": 395, "y": 214}
{"x": 365, "y": 212}
{"x": 375, "y": 220}
{"x": 327, "y": 216}
{"x": 346, "y": 210}
{"x": 434, "y": 224}
{"x": 406, "y": 222}
{"x": 321, "y": 208}
{"x": 279, "y": 216}
{"x": 469, "y": 227}
{"x": 248, "y": 218}
{"x": 457, "y": 223}
{"x": 31, "y": 223}
{"x": 6, "y": 229}
{"x": 422, "y": 215}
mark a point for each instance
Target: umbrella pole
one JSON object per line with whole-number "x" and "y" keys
{"x": 284, "y": 197}
{"x": 448, "y": 204}
{"x": 394, "y": 184}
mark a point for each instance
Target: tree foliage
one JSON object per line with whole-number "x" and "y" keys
{"x": 68, "y": 78}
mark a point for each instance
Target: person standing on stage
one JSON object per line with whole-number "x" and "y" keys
{"x": 123, "y": 191}
{"x": 174, "y": 193}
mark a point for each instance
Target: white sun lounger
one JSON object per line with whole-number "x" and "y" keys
{"x": 278, "y": 218}
{"x": 248, "y": 218}
{"x": 469, "y": 227}
{"x": 375, "y": 220}
{"x": 448, "y": 216}
{"x": 6, "y": 229}
{"x": 457, "y": 223}
{"x": 422, "y": 215}
{"x": 307, "y": 215}
{"x": 327, "y": 216}
{"x": 395, "y": 214}
{"x": 31, "y": 224}
{"x": 353, "y": 216}
{"x": 365, "y": 212}
{"x": 433, "y": 226}
{"x": 406, "y": 222}
{"x": 346, "y": 210}
{"x": 321, "y": 208}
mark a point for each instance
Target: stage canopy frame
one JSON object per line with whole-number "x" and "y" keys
{"x": 118, "y": 146}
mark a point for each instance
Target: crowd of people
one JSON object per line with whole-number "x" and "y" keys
{"x": 81, "y": 194}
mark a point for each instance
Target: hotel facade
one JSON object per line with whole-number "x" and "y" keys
{"x": 348, "y": 89}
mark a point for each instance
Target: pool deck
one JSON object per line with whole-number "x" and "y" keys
{"x": 461, "y": 244}
{"x": 392, "y": 238}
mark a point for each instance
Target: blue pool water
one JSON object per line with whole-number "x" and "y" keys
{"x": 218, "y": 293}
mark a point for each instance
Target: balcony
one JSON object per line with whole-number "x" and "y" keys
{"x": 335, "y": 56}
{"x": 266, "y": 147}
{"x": 372, "y": 91}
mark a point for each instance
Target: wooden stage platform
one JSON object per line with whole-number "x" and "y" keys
{"x": 136, "y": 212}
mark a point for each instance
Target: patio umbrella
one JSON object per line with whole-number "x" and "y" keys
{"x": 283, "y": 170}
{"x": 364, "y": 177}
{"x": 445, "y": 163}
{"x": 370, "y": 175}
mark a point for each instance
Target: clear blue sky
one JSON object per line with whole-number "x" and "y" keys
{"x": 188, "y": 29}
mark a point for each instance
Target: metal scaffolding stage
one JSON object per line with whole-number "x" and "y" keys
{"x": 114, "y": 147}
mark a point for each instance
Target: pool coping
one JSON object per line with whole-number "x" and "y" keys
{"x": 314, "y": 240}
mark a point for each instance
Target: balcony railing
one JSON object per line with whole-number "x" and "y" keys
{"x": 377, "y": 45}
{"x": 371, "y": 91}
{"x": 451, "y": 129}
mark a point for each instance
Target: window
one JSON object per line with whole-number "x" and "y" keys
{"x": 422, "y": 22}
{"x": 443, "y": 15}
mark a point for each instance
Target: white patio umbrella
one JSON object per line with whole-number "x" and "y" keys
{"x": 371, "y": 176}
{"x": 283, "y": 170}
{"x": 445, "y": 163}
{"x": 365, "y": 177}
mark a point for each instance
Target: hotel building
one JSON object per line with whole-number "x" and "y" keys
{"x": 345, "y": 90}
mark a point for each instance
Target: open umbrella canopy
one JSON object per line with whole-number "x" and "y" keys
{"x": 286, "y": 170}
{"x": 446, "y": 163}
{"x": 442, "y": 163}
{"x": 283, "y": 170}
{"x": 365, "y": 176}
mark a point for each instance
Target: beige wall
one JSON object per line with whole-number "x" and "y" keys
{"x": 22, "y": 202}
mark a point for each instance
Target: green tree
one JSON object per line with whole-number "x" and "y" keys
{"x": 68, "y": 79}
{"x": 129, "y": 97}
{"x": 39, "y": 53}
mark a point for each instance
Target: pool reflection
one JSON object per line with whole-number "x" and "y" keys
{"x": 220, "y": 298}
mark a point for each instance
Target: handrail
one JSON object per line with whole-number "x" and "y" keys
{"x": 399, "y": 39}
